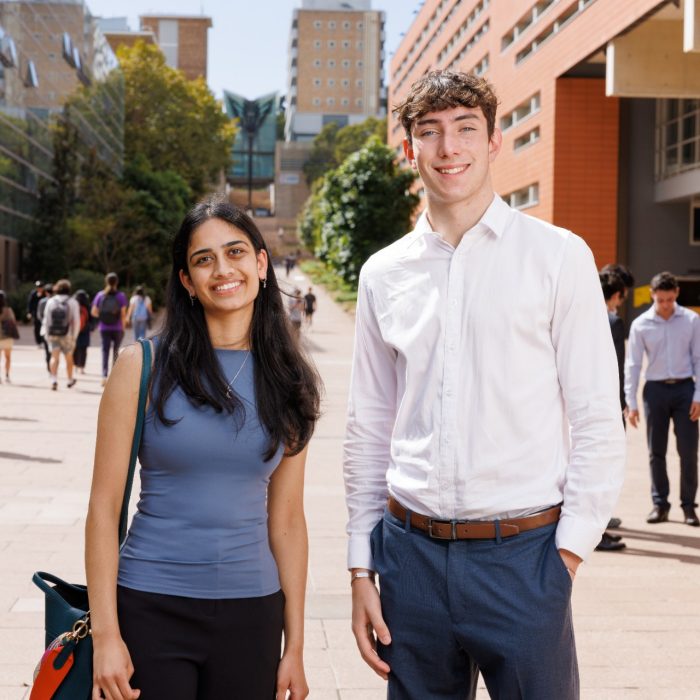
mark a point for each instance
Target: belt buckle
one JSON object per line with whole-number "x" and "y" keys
{"x": 453, "y": 531}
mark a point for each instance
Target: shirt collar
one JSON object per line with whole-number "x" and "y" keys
{"x": 495, "y": 219}
{"x": 655, "y": 317}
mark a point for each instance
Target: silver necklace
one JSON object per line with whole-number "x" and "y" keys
{"x": 235, "y": 376}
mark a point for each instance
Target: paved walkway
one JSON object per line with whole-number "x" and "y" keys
{"x": 637, "y": 613}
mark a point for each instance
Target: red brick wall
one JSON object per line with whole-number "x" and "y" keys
{"x": 586, "y": 140}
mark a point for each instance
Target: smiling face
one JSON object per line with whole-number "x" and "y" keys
{"x": 452, "y": 152}
{"x": 223, "y": 268}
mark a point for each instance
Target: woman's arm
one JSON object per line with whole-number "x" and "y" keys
{"x": 290, "y": 547}
{"x": 115, "y": 430}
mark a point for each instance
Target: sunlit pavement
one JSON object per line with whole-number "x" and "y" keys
{"x": 637, "y": 613}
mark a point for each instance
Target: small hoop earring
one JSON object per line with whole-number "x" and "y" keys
{"x": 264, "y": 282}
{"x": 192, "y": 298}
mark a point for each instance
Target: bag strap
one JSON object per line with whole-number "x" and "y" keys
{"x": 138, "y": 431}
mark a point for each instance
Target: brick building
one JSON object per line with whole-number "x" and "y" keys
{"x": 600, "y": 114}
{"x": 183, "y": 40}
{"x": 335, "y": 66}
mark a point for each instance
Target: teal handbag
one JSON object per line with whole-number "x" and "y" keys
{"x": 66, "y": 606}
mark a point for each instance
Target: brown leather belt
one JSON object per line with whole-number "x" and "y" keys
{"x": 474, "y": 529}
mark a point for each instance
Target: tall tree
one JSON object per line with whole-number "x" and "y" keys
{"x": 175, "y": 123}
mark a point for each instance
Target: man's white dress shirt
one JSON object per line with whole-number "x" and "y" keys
{"x": 484, "y": 382}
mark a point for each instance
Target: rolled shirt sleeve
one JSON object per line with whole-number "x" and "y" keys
{"x": 633, "y": 366}
{"x": 588, "y": 374}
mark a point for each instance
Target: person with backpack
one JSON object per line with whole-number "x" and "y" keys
{"x": 109, "y": 306}
{"x": 60, "y": 327}
{"x": 82, "y": 342}
{"x": 139, "y": 313}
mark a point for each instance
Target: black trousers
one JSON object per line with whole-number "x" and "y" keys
{"x": 663, "y": 403}
{"x": 200, "y": 649}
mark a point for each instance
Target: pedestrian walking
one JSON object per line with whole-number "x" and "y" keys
{"x": 296, "y": 310}
{"x": 32, "y": 305}
{"x": 40, "y": 310}
{"x": 309, "y": 306}
{"x": 109, "y": 306}
{"x": 8, "y": 333}
{"x": 82, "y": 342}
{"x": 213, "y": 570}
{"x": 669, "y": 335}
{"x": 139, "y": 313}
{"x": 484, "y": 448}
{"x": 60, "y": 328}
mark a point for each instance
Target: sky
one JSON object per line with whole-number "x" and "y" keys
{"x": 248, "y": 42}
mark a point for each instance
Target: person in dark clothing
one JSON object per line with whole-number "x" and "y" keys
{"x": 32, "y": 307}
{"x": 48, "y": 293}
{"x": 309, "y": 306}
{"x": 82, "y": 342}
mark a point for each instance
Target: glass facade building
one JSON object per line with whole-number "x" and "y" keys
{"x": 52, "y": 54}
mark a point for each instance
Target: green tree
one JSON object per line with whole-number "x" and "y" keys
{"x": 175, "y": 123}
{"x": 334, "y": 144}
{"x": 362, "y": 206}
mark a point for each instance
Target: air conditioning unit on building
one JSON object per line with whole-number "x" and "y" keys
{"x": 31, "y": 79}
{"x": 8, "y": 50}
{"x": 67, "y": 49}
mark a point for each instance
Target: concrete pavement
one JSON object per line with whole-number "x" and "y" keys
{"x": 637, "y": 613}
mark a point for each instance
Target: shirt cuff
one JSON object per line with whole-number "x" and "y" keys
{"x": 360, "y": 553}
{"x": 696, "y": 395}
{"x": 577, "y": 535}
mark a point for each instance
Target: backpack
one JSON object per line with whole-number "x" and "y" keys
{"x": 84, "y": 318}
{"x": 59, "y": 317}
{"x": 110, "y": 310}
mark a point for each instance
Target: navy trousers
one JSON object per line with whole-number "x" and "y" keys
{"x": 457, "y": 608}
{"x": 663, "y": 403}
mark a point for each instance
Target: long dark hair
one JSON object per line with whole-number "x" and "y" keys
{"x": 287, "y": 385}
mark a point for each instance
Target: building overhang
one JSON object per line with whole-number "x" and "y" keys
{"x": 659, "y": 57}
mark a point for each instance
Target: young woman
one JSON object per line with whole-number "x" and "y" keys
{"x": 213, "y": 570}
{"x": 7, "y": 315}
{"x": 82, "y": 342}
{"x": 139, "y": 313}
{"x": 109, "y": 306}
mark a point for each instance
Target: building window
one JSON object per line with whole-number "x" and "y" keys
{"x": 317, "y": 24}
{"x": 358, "y": 82}
{"x": 521, "y": 112}
{"x": 346, "y": 83}
{"x": 330, "y": 101}
{"x": 527, "y": 139}
{"x": 317, "y": 44}
{"x": 359, "y": 64}
{"x": 346, "y": 25}
{"x": 359, "y": 25}
{"x": 331, "y": 44}
{"x": 331, "y": 82}
{"x": 359, "y": 45}
{"x": 317, "y": 82}
{"x": 677, "y": 137}
{"x": 331, "y": 25}
{"x": 525, "y": 22}
{"x": 317, "y": 101}
{"x": 523, "y": 198}
{"x": 317, "y": 63}
{"x": 346, "y": 63}
{"x": 346, "y": 44}
{"x": 358, "y": 102}
{"x": 345, "y": 102}
{"x": 331, "y": 63}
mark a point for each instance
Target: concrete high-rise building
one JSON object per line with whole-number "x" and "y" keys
{"x": 600, "y": 114}
{"x": 336, "y": 52}
{"x": 182, "y": 39}
{"x": 47, "y": 51}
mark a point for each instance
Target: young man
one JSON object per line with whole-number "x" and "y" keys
{"x": 484, "y": 449}
{"x": 60, "y": 327}
{"x": 309, "y": 306}
{"x": 670, "y": 336}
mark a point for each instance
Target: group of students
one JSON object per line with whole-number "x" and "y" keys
{"x": 63, "y": 323}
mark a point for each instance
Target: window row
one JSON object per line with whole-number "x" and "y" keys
{"x": 464, "y": 28}
{"x": 331, "y": 101}
{"x": 677, "y": 137}
{"x": 521, "y": 112}
{"x": 525, "y": 197}
{"x": 471, "y": 43}
{"x": 331, "y": 43}
{"x": 525, "y": 22}
{"x": 331, "y": 82}
{"x": 331, "y": 63}
{"x": 332, "y": 24}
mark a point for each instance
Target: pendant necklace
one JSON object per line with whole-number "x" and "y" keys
{"x": 235, "y": 376}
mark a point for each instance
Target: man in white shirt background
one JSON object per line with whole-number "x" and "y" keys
{"x": 484, "y": 450}
{"x": 669, "y": 334}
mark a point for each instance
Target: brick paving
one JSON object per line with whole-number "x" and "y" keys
{"x": 637, "y": 613}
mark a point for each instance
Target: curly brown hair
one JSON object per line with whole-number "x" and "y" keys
{"x": 443, "y": 89}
